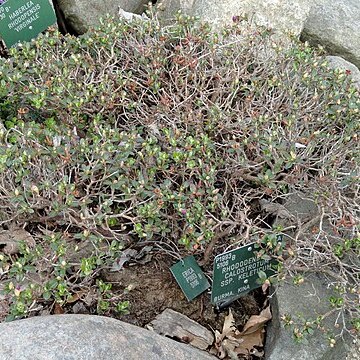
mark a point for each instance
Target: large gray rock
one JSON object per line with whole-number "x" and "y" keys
{"x": 335, "y": 24}
{"x": 85, "y": 337}
{"x": 336, "y": 62}
{"x": 283, "y": 15}
{"x": 301, "y": 208}
{"x": 79, "y": 15}
{"x": 306, "y": 301}
{"x": 354, "y": 353}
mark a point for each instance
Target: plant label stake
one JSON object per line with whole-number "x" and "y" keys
{"x": 190, "y": 277}
{"x": 236, "y": 272}
{"x": 23, "y": 20}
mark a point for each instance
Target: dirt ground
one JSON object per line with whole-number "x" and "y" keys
{"x": 153, "y": 289}
{"x": 150, "y": 288}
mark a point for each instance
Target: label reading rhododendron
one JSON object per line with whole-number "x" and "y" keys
{"x": 236, "y": 272}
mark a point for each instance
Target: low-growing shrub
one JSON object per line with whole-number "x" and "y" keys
{"x": 136, "y": 132}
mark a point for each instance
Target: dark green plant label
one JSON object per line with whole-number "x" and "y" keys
{"x": 236, "y": 272}
{"x": 22, "y": 20}
{"x": 190, "y": 277}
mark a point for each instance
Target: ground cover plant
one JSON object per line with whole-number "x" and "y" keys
{"x": 136, "y": 134}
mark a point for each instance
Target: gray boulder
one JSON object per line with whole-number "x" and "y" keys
{"x": 306, "y": 301}
{"x": 79, "y": 15}
{"x": 85, "y": 337}
{"x": 282, "y": 15}
{"x": 335, "y": 24}
{"x": 336, "y": 62}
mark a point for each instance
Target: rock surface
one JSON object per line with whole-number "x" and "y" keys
{"x": 79, "y": 15}
{"x": 354, "y": 353}
{"x": 179, "y": 327}
{"x": 281, "y": 15}
{"x": 336, "y": 62}
{"x": 303, "y": 301}
{"x": 84, "y": 337}
{"x": 302, "y": 208}
{"x": 10, "y": 240}
{"x": 335, "y": 24}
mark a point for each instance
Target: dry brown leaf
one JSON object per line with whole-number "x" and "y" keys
{"x": 257, "y": 321}
{"x": 229, "y": 324}
{"x": 253, "y": 332}
{"x": 75, "y": 297}
{"x": 231, "y": 342}
{"x": 265, "y": 286}
{"x": 58, "y": 310}
{"x": 218, "y": 336}
{"x": 248, "y": 342}
{"x": 257, "y": 352}
{"x": 213, "y": 351}
{"x": 218, "y": 348}
{"x": 221, "y": 352}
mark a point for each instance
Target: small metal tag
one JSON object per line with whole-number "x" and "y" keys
{"x": 236, "y": 273}
{"x": 190, "y": 277}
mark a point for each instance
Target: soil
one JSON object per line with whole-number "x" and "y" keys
{"x": 154, "y": 289}
{"x": 150, "y": 288}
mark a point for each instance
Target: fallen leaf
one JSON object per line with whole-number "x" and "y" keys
{"x": 257, "y": 353}
{"x": 218, "y": 349}
{"x": 222, "y": 346}
{"x": 230, "y": 345}
{"x": 218, "y": 336}
{"x": 257, "y": 321}
{"x": 229, "y": 324}
{"x": 76, "y": 296}
{"x": 126, "y": 255}
{"x": 221, "y": 352}
{"x": 232, "y": 342}
{"x": 253, "y": 332}
{"x": 265, "y": 286}
{"x": 246, "y": 343}
{"x": 58, "y": 310}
